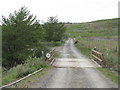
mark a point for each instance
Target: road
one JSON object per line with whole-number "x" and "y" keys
{"x": 73, "y": 70}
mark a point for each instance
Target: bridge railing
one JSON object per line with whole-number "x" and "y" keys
{"x": 98, "y": 56}
{"x": 51, "y": 56}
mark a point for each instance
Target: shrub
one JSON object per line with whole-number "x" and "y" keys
{"x": 21, "y": 31}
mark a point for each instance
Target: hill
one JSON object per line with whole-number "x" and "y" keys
{"x": 102, "y": 34}
{"x": 107, "y": 28}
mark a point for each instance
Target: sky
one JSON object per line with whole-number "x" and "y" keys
{"x": 65, "y": 10}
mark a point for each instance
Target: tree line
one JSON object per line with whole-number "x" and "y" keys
{"x": 24, "y": 36}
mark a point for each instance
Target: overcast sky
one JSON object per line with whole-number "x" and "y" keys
{"x": 66, "y": 10}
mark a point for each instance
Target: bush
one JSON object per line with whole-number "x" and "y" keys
{"x": 54, "y": 30}
{"x": 38, "y": 52}
{"x": 43, "y": 46}
{"x": 111, "y": 60}
{"x": 21, "y": 31}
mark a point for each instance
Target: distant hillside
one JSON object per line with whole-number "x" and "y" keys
{"x": 111, "y": 24}
{"x": 104, "y": 28}
{"x": 102, "y": 34}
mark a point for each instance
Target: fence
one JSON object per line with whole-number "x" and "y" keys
{"x": 98, "y": 56}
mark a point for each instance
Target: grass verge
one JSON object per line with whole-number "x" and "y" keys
{"x": 112, "y": 76}
{"x": 22, "y": 70}
{"x": 85, "y": 51}
{"x": 109, "y": 74}
{"x": 30, "y": 80}
{"x": 109, "y": 51}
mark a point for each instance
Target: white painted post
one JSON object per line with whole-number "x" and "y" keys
{"x": 43, "y": 54}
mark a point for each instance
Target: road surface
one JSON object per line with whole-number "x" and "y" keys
{"x": 73, "y": 70}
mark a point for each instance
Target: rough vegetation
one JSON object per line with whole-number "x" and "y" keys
{"x": 54, "y": 26}
{"x": 31, "y": 65}
{"x": 19, "y": 35}
{"x": 103, "y": 34}
{"x": 23, "y": 37}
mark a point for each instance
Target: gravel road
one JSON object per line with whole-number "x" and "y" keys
{"x": 73, "y": 70}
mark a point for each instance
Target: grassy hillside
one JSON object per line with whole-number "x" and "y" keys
{"x": 102, "y": 33}
{"x": 102, "y": 28}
